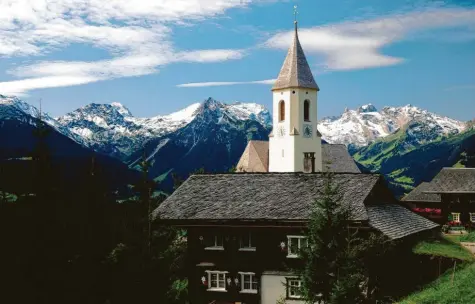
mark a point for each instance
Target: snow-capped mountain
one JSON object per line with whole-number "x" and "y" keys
{"x": 364, "y": 125}
{"x": 14, "y": 108}
{"x": 213, "y": 140}
{"x": 112, "y": 129}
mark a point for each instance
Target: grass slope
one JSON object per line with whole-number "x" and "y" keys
{"x": 448, "y": 288}
{"x": 443, "y": 291}
{"x": 446, "y": 247}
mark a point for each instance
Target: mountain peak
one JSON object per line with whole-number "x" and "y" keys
{"x": 367, "y": 108}
{"x": 121, "y": 108}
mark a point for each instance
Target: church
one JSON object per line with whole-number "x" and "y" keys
{"x": 244, "y": 229}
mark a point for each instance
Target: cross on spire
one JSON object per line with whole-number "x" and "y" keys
{"x": 295, "y": 14}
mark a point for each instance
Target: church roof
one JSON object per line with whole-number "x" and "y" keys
{"x": 334, "y": 156}
{"x": 286, "y": 197}
{"x": 453, "y": 180}
{"x": 295, "y": 72}
{"x": 337, "y": 159}
{"x": 255, "y": 157}
{"x": 418, "y": 195}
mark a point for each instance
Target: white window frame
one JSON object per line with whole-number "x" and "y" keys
{"x": 290, "y": 288}
{"x": 291, "y": 254}
{"x": 217, "y": 273}
{"x": 472, "y": 217}
{"x": 246, "y": 247}
{"x": 216, "y": 246}
{"x": 252, "y": 277}
{"x": 456, "y": 215}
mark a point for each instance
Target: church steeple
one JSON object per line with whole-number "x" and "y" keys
{"x": 295, "y": 72}
{"x": 295, "y": 145}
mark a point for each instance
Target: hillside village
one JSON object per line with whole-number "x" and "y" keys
{"x": 237, "y": 204}
{"x": 243, "y": 227}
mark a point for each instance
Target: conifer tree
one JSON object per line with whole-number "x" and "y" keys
{"x": 329, "y": 274}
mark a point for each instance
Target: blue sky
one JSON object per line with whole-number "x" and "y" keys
{"x": 156, "y": 57}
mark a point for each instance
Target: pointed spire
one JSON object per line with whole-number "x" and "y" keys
{"x": 295, "y": 72}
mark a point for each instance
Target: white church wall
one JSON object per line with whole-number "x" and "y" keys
{"x": 286, "y": 152}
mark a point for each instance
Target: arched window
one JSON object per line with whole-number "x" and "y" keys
{"x": 306, "y": 110}
{"x": 281, "y": 110}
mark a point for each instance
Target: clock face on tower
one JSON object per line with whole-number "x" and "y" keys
{"x": 281, "y": 131}
{"x": 307, "y": 131}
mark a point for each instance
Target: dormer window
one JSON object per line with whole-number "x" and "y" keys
{"x": 281, "y": 110}
{"x": 306, "y": 110}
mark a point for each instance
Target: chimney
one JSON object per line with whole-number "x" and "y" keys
{"x": 309, "y": 162}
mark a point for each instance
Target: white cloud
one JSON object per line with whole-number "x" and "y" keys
{"x": 358, "y": 44}
{"x": 19, "y": 87}
{"x": 136, "y": 33}
{"x": 210, "y": 55}
{"x": 223, "y": 83}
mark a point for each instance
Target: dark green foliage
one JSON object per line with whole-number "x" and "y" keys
{"x": 328, "y": 274}
{"x": 64, "y": 243}
{"x": 341, "y": 264}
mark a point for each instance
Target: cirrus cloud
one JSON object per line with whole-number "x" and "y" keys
{"x": 137, "y": 35}
{"x": 358, "y": 44}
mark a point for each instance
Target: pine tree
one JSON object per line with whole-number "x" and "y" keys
{"x": 329, "y": 274}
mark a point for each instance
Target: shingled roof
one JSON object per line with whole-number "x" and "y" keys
{"x": 295, "y": 72}
{"x": 453, "y": 180}
{"x": 287, "y": 197}
{"x": 261, "y": 196}
{"x": 396, "y": 222}
{"x": 337, "y": 159}
{"x": 255, "y": 157}
{"x": 418, "y": 195}
{"x": 334, "y": 156}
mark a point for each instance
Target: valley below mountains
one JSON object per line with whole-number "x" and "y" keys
{"x": 406, "y": 144}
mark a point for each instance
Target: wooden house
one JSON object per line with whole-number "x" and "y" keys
{"x": 456, "y": 187}
{"x": 244, "y": 228}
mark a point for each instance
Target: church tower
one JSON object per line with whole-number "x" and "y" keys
{"x": 294, "y": 139}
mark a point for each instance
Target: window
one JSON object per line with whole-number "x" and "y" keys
{"x": 216, "y": 244}
{"x": 472, "y": 217}
{"x": 295, "y": 243}
{"x": 293, "y": 288}
{"x": 306, "y": 110}
{"x": 456, "y": 217}
{"x": 246, "y": 243}
{"x": 249, "y": 282}
{"x": 217, "y": 280}
{"x": 281, "y": 110}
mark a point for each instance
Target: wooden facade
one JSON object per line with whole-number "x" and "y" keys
{"x": 461, "y": 207}
{"x": 228, "y": 249}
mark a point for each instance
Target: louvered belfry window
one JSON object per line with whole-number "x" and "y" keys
{"x": 306, "y": 110}
{"x": 281, "y": 110}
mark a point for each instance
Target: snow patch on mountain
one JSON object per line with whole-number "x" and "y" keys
{"x": 112, "y": 129}
{"x": 12, "y": 107}
{"x": 366, "y": 124}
